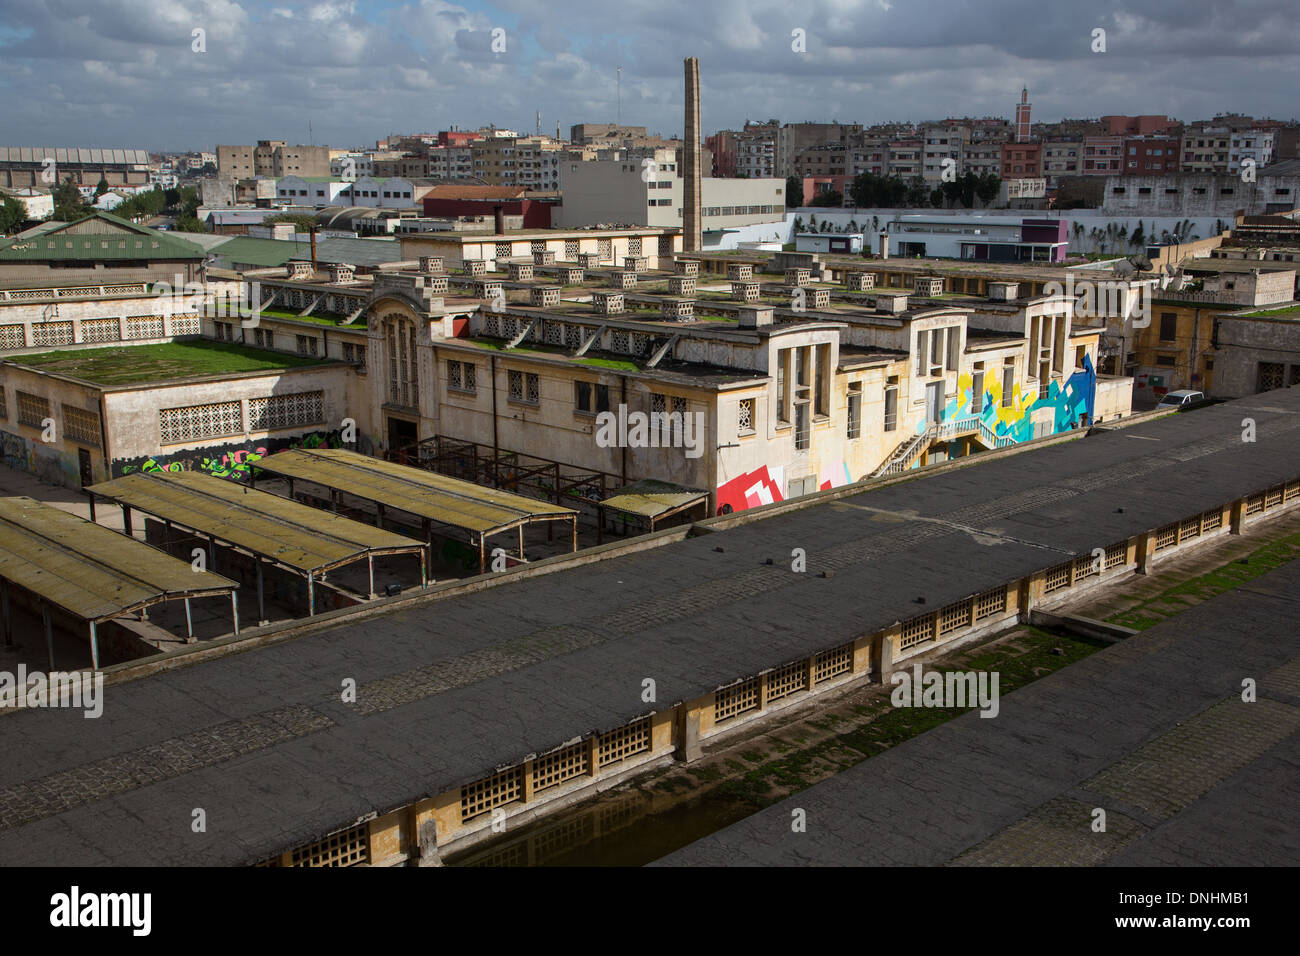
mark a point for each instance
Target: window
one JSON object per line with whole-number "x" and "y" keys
{"x": 33, "y": 410}
{"x": 1008, "y": 385}
{"x": 461, "y": 376}
{"x": 403, "y": 373}
{"x": 801, "y": 435}
{"x": 977, "y": 393}
{"x": 81, "y": 425}
{"x": 821, "y": 393}
{"x": 1168, "y": 326}
{"x": 855, "y": 411}
{"x": 307, "y": 344}
{"x": 194, "y": 422}
{"x": 1270, "y": 377}
{"x": 355, "y": 353}
{"x": 524, "y": 387}
{"x": 891, "y": 409}
{"x": 286, "y": 411}
{"x": 264, "y": 338}
{"x": 745, "y": 416}
{"x": 590, "y": 398}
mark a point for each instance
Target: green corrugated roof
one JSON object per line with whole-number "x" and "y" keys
{"x": 127, "y": 241}
{"x": 260, "y": 252}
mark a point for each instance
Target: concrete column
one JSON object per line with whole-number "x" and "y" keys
{"x": 884, "y": 650}
{"x": 1238, "y": 516}
{"x": 688, "y": 731}
{"x": 1146, "y": 550}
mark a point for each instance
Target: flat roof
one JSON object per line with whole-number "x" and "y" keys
{"x": 137, "y": 364}
{"x": 1010, "y": 790}
{"x": 448, "y": 501}
{"x": 299, "y": 536}
{"x": 90, "y": 571}
{"x": 518, "y": 664}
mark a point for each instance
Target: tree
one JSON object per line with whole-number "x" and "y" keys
{"x": 189, "y": 223}
{"x": 101, "y": 187}
{"x": 68, "y": 204}
{"x": 301, "y": 221}
{"x": 793, "y": 192}
{"x": 988, "y": 188}
{"x": 13, "y": 213}
{"x": 936, "y": 198}
{"x": 828, "y": 198}
{"x": 1139, "y": 238}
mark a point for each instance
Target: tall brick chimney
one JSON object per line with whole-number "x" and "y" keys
{"x": 692, "y": 225}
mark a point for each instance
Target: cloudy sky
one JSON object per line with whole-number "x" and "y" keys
{"x": 127, "y": 72}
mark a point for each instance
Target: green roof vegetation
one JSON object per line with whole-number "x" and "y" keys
{"x": 131, "y": 364}
{"x": 1288, "y": 312}
{"x": 499, "y": 345}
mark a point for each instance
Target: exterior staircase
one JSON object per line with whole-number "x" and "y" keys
{"x": 906, "y": 454}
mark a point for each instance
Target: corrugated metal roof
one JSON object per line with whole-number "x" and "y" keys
{"x": 293, "y": 534}
{"x": 448, "y": 501}
{"x": 651, "y": 498}
{"x": 63, "y": 154}
{"x": 126, "y": 241}
{"x": 88, "y": 570}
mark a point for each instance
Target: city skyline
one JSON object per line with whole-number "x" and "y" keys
{"x": 118, "y": 74}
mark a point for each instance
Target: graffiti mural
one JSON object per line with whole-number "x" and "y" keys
{"x": 1014, "y": 420}
{"x": 759, "y": 487}
{"x": 234, "y": 460}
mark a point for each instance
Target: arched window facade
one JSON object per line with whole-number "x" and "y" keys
{"x": 403, "y": 377}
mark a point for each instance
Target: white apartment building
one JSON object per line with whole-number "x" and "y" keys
{"x": 644, "y": 188}
{"x": 1253, "y": 144}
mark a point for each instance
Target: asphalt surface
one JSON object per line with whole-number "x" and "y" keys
{"x": 453, "y": 689}
{"x": 1153, "y": 731}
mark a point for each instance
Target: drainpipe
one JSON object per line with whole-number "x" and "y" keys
{"x": 103, "y": 438}
{"x": 623, "y": 380}
{"x": 495, "y": 447}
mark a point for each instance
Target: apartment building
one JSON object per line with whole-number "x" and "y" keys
{"x": 451, "y": 162}
{"x": 647, "y": 190}
{"x": 1255, "y": 145}
{"x": 1205, "y": 149}
{"x": 1022, "y": 161}
{"x": 272, "y": 158}
{"x": 1062, "y": 159}
{"x": 870, "y": 157}
{"x": 828, "y": 159}
{"x": 940, "y": 142}
{"x": 905, "y": 157}
{"x": 1102, "y": 156}
{"x": 532, "y": 161}
{"x": 1152, "y": 155}
{"x": 794, "y": 138}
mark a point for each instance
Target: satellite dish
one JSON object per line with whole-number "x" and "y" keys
{"x": 1141, "y": 263}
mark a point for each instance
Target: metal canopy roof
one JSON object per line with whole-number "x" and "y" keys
{"x": 293, "y": 534}
{"x": 448, "y": 501}
{"x": 653, "y": 499}
{"x": 82, "y": 567}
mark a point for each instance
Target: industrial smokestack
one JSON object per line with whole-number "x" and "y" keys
{"x": 692, "y": 228}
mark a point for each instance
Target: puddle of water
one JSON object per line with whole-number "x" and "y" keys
{"x": 614, "y": 829}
